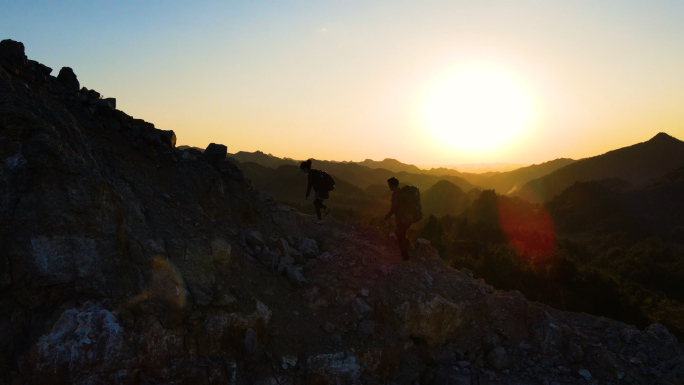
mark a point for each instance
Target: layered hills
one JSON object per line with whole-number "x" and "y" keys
{"x": 636, "y": 164}
{"x": 127, "y": 260}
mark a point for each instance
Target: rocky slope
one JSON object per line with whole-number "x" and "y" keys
{"x": 126, "y": 260}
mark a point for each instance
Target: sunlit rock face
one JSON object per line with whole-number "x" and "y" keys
{"x": 124, "y": 259}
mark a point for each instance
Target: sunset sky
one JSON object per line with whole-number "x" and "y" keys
{"x": 425, "y": 82}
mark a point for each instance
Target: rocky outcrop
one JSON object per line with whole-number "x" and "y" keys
{"x": 68, "y": 79}
{"x": 215, "y": 153}
{"x": 124, "y": 259}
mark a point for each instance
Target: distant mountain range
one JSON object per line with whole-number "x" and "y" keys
{"x": 447, "y": 191}
{"x": 635, "y": 164}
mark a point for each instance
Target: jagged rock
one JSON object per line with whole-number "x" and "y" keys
{"x": 498, "y": 358}
{"x": 289, "y": 362}
{"x": 434, "y": 320}
{"x": 283, "y": 246}
{"x": 661, "y": 334}
{"x": 298, "y": 257}
{"x": 215, "y": 153}
{"x": 585, "y": 374}
{"x": 308, "y": 248}
{"x": 295, "y": 276}
{"x": 361, "y": 307}
{"x": 68, "y": 79}
{"x": 12, "y": 54}
{"x": 221, "y": 331}
{"x": 84, "y": 339}
{"x": 90, "y": 94}
{"x": 338, "y": 368}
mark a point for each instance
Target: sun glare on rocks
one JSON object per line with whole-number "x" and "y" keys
{"x": 477, "y": 109}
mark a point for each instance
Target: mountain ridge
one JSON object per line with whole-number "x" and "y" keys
{"x": 636, "y": 164}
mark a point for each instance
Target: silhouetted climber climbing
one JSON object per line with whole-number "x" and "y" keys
{"x": 406, "y": 209}
{"x": 322, "y": 183}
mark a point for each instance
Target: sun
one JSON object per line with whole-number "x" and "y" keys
{"x": 477, "y": 109}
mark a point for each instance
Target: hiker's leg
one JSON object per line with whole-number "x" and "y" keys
{"x": 317, "y": 204}
{"x": 403, "y": 242}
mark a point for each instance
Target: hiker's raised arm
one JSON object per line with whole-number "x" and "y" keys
{"x": 395, "y": 205}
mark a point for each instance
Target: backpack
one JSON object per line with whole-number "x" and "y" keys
{"x": 325, "y": 181}
{"x": 409, "y": 210}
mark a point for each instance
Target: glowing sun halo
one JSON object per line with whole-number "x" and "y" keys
{"x": 477, "y": 109}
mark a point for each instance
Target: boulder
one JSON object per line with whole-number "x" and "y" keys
{"x": 111, "y": 102}
{"x": 68, "y": 79}
{"x": 295, "y": 276}
{"x": 268, "y": 258}
{"x": 215, "y": 153}
{"x": 12, "y": 54}
{"x": 308, "y": 248}
{"x": 361, "y": 307}
{"x": 167, "y": 137}
{"x": 83, "y": 339}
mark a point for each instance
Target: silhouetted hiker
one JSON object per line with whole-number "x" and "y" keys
{"x": 406, "y": 209}
{"x": 322, "y": 183}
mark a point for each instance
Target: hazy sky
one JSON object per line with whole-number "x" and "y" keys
{"x": 349, "y": 80}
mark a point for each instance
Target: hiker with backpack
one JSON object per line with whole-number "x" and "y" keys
{"x": 322, "y": 183}
{"x": 407, "y": 209}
